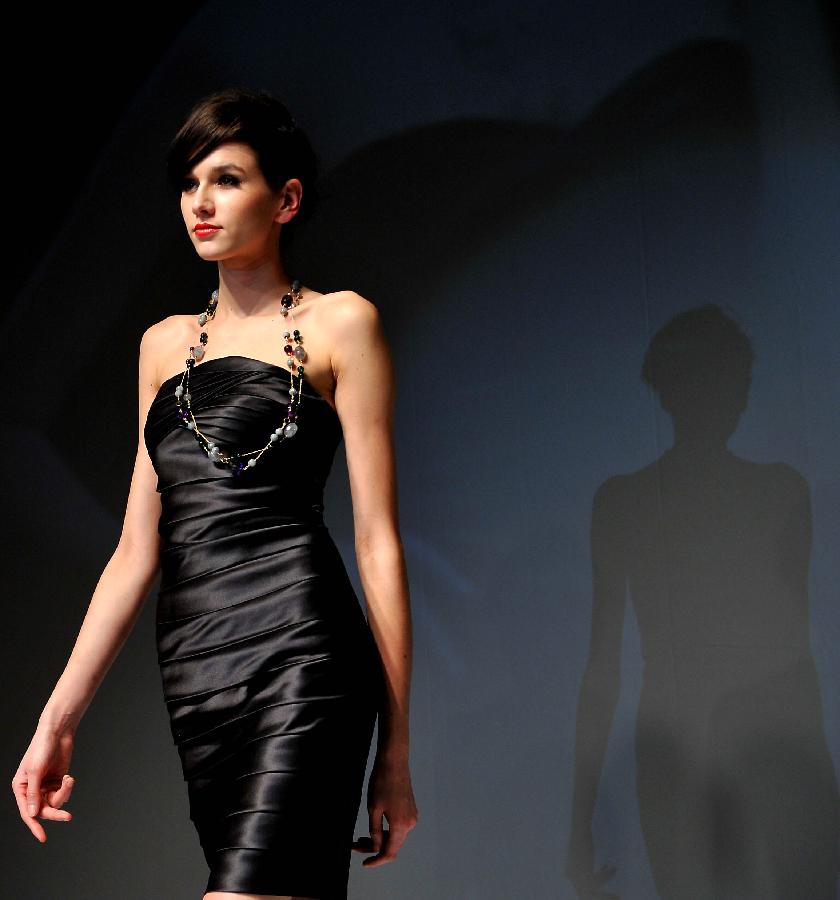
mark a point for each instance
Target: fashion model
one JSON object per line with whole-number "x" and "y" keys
{"x": 272, "y": 675}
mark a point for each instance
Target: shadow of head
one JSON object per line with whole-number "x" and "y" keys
{"x": 700, "y": 365}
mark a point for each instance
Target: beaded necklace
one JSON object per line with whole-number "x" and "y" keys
{"x": 286, "y": 429}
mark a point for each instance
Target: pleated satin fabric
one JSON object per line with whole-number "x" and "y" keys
{"x": 270, "y": 673}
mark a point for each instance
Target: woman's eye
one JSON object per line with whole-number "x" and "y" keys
{"x": 189, "y": 183}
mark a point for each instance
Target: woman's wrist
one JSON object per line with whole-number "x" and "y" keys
{"x": 58, "y": 722}
{"x": 393, "y": 747}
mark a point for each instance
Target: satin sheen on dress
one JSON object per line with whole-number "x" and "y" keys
{"x": 270, "y": 673}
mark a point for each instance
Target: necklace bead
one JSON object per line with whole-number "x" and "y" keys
{"x": 288, "y": 428}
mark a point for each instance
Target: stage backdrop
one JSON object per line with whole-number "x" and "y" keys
{"x": 603, "y": 241}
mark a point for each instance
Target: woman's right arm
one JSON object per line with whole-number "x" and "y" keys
{"x": 112, "y": 613}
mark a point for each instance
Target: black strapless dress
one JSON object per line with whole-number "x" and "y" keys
{"x": 270, "y": 673}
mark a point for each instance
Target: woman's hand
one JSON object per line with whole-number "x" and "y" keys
{"x": 389, "y": 794}
{"x": 41, "y": 784}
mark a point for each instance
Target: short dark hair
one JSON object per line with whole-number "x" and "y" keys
{"x": 253, "y": 117}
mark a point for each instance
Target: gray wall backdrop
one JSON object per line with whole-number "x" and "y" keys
{"x": 623, "y": 657}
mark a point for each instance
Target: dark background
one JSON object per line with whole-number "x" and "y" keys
{"x": 528, "y": 191}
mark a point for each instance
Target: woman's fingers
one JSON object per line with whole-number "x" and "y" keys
{"x": 33, "y": 793}
{"x": 376, "y": 823}
{"x": 59, "y": 797}
{"x": 46, "y": 803}
{"x": 392, "y": 839}
{"x": 374, "y": 842}
{"x": 383, "y": 842}
{"x": 56, "y": 799}
{"x": 27, "y": 790}
{"x": 55, "y": 815}
{"x": 19, "y": 786}
{"x": 37, "y": 829}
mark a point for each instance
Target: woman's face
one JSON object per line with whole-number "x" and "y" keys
{"x": 228, "y": 190}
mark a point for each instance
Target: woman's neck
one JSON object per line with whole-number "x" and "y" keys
{"x": 253, "y": 292}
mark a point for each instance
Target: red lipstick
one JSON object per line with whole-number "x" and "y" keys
{"x": 204, "y": 228}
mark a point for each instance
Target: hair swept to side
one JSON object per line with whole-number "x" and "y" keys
{"x": 259, "y": 119}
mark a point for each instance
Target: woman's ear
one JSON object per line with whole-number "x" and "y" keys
{"x": 290, "y": 199}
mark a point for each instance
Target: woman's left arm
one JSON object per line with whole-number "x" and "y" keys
{"x": 365, "y": 400}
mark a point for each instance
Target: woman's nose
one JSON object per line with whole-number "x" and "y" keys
{"x": 202, "y": 203}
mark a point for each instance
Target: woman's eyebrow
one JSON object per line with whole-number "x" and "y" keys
{"x": 224, "y": 166}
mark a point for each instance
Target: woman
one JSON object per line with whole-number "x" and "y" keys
{"x": 272, "y": 676}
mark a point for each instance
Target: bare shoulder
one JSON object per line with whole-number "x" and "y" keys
{"x": 157, "y": 343}
{"x": 167, "y": 328}
{"x": 347, "y": 310}
{"x": 174, "y": 326}
{"x": 351, "y": 324}
{"x": 342, "y": 305}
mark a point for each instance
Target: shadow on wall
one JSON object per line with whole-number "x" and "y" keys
{"x": 440, "y": 193}
{"x": 736, "y": 787}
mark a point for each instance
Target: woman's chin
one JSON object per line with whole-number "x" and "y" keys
{"x": 210, "y": 253}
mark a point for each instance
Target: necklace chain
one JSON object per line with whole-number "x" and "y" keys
{"x": 238, "y": 462}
